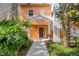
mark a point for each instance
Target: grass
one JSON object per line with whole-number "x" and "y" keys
{"x": 56, "y": 49}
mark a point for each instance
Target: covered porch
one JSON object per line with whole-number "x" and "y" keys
{"x": 39, "y": 28}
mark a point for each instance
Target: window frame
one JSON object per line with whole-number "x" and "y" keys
{"x": 29, "y": 14}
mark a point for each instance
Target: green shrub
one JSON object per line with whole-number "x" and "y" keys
{"x": 56, "y": 49}
{"x": 11, "y": 37}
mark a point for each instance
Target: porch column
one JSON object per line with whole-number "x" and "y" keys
{"x": 48, "y": 29}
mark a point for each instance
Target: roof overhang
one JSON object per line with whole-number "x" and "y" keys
{"x": 43, "y": 4}
{"x": 40, "y": 16}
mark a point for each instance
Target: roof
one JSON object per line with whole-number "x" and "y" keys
{"x": 40, "y": 16}
{"x": 41, "y": 4}
{"x": 39, "y": 20}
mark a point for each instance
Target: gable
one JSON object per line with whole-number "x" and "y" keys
{"x": 40, "y": 17}
{"x": 38, "y": 20}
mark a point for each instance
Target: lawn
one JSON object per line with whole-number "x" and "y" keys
{"x": 56, "y": 49}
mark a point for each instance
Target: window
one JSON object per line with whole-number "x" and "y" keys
{"x": 42, "y": 11}
{"x": 30, "y": 12}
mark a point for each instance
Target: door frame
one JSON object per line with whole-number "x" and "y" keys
{"x": 44, "y": 31}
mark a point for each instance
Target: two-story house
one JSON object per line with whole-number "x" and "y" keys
{"x": 40, "y": 18}
{"x": 42, "y": 21}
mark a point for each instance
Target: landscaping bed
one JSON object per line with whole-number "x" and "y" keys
{"x": 25, "y": 48}
{"x": 56, "y": 49}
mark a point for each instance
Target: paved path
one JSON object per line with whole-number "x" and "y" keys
{"x": 38, "y": 48}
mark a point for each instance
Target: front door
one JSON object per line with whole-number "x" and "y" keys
{"x": 41, "y": 32}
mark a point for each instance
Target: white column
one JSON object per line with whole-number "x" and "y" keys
{"x": 49, "y": 29}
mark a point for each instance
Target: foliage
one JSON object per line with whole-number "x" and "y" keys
{"x": 11, "y": 37}
{"x": 24, "y": 48}
{"x": 68, "y": 13}
{"x": 56, "y": 49}
{"x": 72, "y": 11}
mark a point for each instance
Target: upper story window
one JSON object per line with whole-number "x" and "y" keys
{"x": 30, "y": 12}
{"x": 42, "y": 11}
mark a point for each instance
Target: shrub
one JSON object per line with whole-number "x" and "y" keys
{"x": 11, "y": 37}
{"x": 56, "y": 49}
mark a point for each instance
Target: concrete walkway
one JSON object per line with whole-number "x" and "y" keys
{"x": 38, "y": 48}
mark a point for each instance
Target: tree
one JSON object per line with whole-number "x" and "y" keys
{"x": 65, "y": 21}
{"x": 13, "y": 10}
{"x": 68, "y": 14}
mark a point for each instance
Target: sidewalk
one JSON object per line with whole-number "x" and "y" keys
{"x": 38, "y": 48}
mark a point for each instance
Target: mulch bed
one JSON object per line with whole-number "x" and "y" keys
{"x": 24, "y": 50}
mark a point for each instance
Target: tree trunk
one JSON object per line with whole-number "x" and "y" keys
{"x": 65, "y": 21}
{"x": 13, "y": 11}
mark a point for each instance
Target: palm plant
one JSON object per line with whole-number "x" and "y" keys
{"x": 68, "y": 14}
